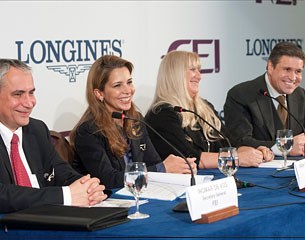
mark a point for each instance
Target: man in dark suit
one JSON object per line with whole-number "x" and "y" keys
{"x": 252, "y": 118}
{"x": 48, "y": 178}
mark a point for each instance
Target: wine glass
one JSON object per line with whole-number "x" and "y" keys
{"x": 228, "y": 161}
{"x": 284, "y": 142}
{"x": 135, "y": 181}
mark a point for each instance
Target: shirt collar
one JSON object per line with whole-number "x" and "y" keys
{"x": 7, "y": 134}
{"x": 271, "y": 90}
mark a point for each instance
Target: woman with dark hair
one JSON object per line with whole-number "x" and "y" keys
{"x": 103, "y": 145}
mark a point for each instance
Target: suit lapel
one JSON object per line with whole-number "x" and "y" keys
{"x": 5, "y": 162}
{"x": 293, "y": 103}
{"x": 31, "y": 150}
{"x": 266, "y": 111}
{"x": 137, "y": 150}
{"x": 195, "y": 138}
{"x": 265, "y": 106}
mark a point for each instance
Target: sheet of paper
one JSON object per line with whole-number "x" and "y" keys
{"x": 299, "y": 169}
{"x": 112, "y": 202}
{"x": 167, "y": 186}
{"x": 160, "y": 191}
{"x": 276, "y": 164}
{"x": 176, "y": 178}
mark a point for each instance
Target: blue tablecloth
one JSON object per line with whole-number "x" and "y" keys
{"x": 265, "y": 220}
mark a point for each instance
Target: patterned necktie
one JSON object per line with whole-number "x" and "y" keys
{"x": 281, "y": 110}
{"x": 21, "y": 176}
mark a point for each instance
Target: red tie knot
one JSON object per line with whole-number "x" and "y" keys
{"x": 15, "y": 139}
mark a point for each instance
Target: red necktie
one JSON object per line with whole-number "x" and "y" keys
{"x": 21, "y": 176}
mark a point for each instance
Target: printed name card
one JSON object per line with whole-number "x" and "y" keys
{"x": 212, "y": 196}
{"x": 299, "y": 169}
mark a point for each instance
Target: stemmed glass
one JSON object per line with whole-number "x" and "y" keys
{"x": 135, "y": 180}
{"x": 228, "y": 161}
{"x": 284, "y": 142}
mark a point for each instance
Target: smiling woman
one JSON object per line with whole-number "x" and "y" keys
{"x": 104, "y": 146}
{"x": 178, "y": 85}
{"x": 118, "y": 91}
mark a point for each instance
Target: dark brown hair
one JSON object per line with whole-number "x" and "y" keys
{"x": 97, "y": 78}
{"x": 285, "y": 49}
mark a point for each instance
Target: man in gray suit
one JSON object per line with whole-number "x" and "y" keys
{"x": 251, "y": 115}
{"x": 42, "y": 177}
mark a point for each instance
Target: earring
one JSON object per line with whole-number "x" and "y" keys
{"x": 102, "y": 99}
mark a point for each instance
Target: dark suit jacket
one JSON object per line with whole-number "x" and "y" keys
{"x": 251, "y": 118}
{"x": 93, "y": 155}
{"x": 42, "y": 158}
{"x": 169, "y": 124}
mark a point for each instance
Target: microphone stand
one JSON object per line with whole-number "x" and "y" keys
{"x": 265, "y": 93}
{"x": 180, "y": 109}
{"x": 239, "y": 183}
{"x": 180, "y": 207}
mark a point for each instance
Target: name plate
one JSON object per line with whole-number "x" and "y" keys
{"x": 299, "y": 169}
{"x": 212, "y": 196}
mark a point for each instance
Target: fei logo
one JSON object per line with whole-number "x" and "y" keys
{"x": 77, "y": 54}
{"x": 205, "y": 48}
{"x": 281, "y": 2}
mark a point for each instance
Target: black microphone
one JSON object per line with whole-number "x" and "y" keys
{"x": 265, "y": 93}
{"x": 243, "y": 184}
{"x": 122, "y": 116}
{"x": 180, "y": 109}
{"x": 182, "y": 206}
{"x": 239, "y": 183}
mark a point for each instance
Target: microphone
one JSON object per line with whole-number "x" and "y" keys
{"x": 265, "y": 93}
{"x": 182, "y": 206}
{"x": 180, "y": 109}
{"x": 239, "y": 183}
{"x": 122, "y": 116}
{"x": 243, "y": 184}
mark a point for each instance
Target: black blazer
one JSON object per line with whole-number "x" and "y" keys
{"x": 42, "y": 159}
{"x": 251, "y": 118}
{"x": 93, "y": 155}
{"x": 169, "y": 124}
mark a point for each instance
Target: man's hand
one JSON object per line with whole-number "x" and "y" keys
{"x": 267, "y": 153}
{"x": 87, "y": 191}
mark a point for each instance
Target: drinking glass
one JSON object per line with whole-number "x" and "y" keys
{"x": 228, "y": 161}
{"x": 135, "y": 181}
{"x": 284, "y": 142}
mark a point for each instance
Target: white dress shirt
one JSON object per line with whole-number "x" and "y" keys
{"x": 7, "y": 136}
{"x": 273, "y": 93}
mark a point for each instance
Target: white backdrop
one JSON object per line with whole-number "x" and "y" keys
{"x": 141, "y": 31}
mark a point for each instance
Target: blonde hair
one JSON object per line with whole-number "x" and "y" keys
{"x": 171, "y": 89}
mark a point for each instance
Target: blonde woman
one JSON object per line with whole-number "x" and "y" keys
{"x": 178, "y": 85}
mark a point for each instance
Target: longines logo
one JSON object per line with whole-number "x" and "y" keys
{"x": 61, "y": 56}
{"x": 211, "y": 51}
{"x": 263, "y": 47}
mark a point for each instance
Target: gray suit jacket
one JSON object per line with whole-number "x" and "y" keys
{"x": 42, "y": 159}
{"x": 251, "y": 118}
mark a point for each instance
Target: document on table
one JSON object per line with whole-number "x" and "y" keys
{"x": 167, "y": 186}
{"x": 113, "y": 202}
{"x": 276, "y": 164}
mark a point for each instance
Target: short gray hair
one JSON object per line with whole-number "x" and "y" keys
{"x": 6, "y": 64}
